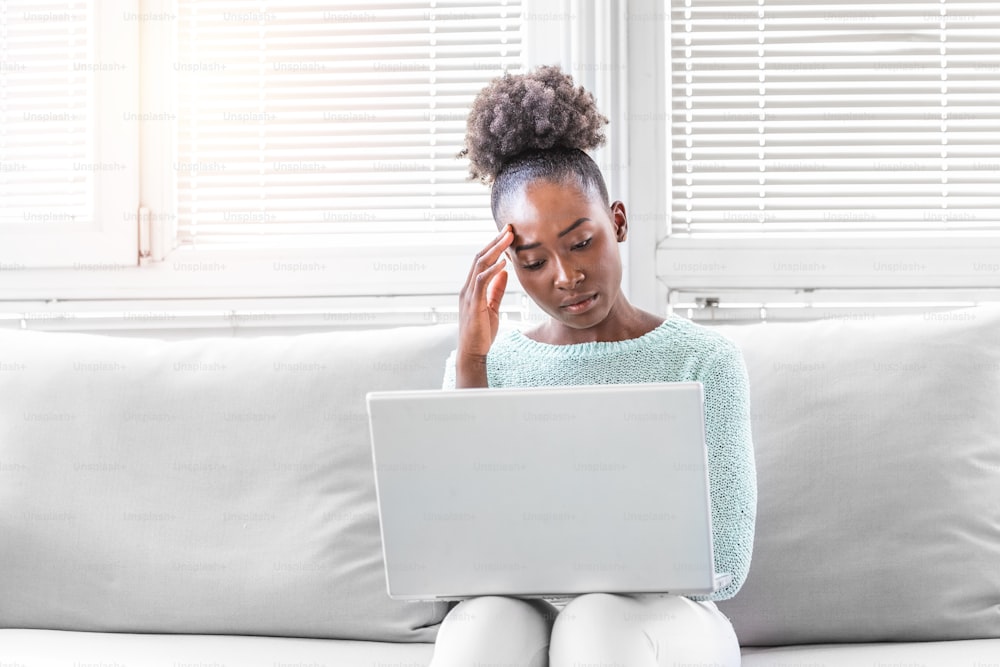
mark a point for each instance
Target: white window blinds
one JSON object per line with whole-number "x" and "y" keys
{"x": 299, "y": 124}
{"x": 804, "y": 116}
{"x": 46, "y": 112}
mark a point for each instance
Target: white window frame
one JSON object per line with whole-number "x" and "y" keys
{"x": 234, "y": 288}
{"x": 364, "y": 271}
{"x": 833, "y": 268}
{"x": 360, "y": 266}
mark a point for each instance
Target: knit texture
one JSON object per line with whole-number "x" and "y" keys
{"x": 676, "y": 351}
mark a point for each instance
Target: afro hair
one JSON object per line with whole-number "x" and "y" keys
{"x": 528, "y": 113}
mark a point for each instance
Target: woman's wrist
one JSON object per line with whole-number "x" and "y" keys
{"x": 470, "y": 371}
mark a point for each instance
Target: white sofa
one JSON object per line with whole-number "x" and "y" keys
{"x": 209, "y": 501}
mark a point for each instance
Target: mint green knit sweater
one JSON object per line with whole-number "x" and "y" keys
{"x": 677, "y": 351}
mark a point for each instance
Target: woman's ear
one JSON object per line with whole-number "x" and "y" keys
{"x": 619, "y": 220}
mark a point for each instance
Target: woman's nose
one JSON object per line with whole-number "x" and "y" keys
{"x": 568, "y": 275}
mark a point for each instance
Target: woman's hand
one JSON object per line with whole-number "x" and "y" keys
{"x": 479, "y": 305}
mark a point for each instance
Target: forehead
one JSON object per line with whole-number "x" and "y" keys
{"x": 544, "y": 205}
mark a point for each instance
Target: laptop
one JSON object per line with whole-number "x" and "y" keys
{"x": 544, "y": 491}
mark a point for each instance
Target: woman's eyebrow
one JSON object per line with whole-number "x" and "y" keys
{"x": 529, "y": 246}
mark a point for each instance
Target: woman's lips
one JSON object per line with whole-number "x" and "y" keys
{"x": 581, "y": 306}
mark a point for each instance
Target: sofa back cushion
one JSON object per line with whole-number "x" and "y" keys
{"x": 201, "y": 486}
{"x": 878, "y": 459}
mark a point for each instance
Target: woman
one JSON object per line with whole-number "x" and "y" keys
{"x": 526, "y": 137}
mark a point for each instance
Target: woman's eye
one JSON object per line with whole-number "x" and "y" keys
{"x": 534, "y": 266}
{"x": 582, "y": 244}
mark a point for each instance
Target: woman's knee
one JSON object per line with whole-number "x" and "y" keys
{"x": 717, "y": 642}
{"x": 642, "y": 630}
{"x": 495, "y": 630}
{"x": 596, "y": 628}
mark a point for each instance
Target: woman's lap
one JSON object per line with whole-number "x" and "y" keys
{"x": 634, "y": 630}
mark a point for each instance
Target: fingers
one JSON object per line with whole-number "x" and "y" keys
{"x": 483, "y": 285}
{"x": 494, "y": 293}
{"x": 480, "y": 297}
{"x": 487, "y": 257}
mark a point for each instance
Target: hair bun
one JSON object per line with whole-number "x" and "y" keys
{"x": 537, "y": 110}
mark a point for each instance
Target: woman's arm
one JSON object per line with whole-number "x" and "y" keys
{"x": 732, "y": 474}
{"x": 479, "y": 311}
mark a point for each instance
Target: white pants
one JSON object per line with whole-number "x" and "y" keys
{"x": 595, "y": 629}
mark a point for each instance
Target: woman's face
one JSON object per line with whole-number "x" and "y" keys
{"x": 565, "y": 251}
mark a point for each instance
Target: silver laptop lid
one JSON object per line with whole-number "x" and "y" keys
{"x": 543, "y": 491}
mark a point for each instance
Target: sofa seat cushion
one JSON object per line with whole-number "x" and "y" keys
{"x": 59, "y": 648}
{"x": 964, "y": 653}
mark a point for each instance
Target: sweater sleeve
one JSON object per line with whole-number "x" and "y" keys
{"x": 732, "y": 474}
{"x": 449, "y": 372}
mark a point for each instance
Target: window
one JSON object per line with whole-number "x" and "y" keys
{"x": 821, "y": 149}
{"x": 316, "y": 145}
{"x": 299, "y": 126}
{"x": 68, "y": 195}
{"x": 300, "y": 152}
